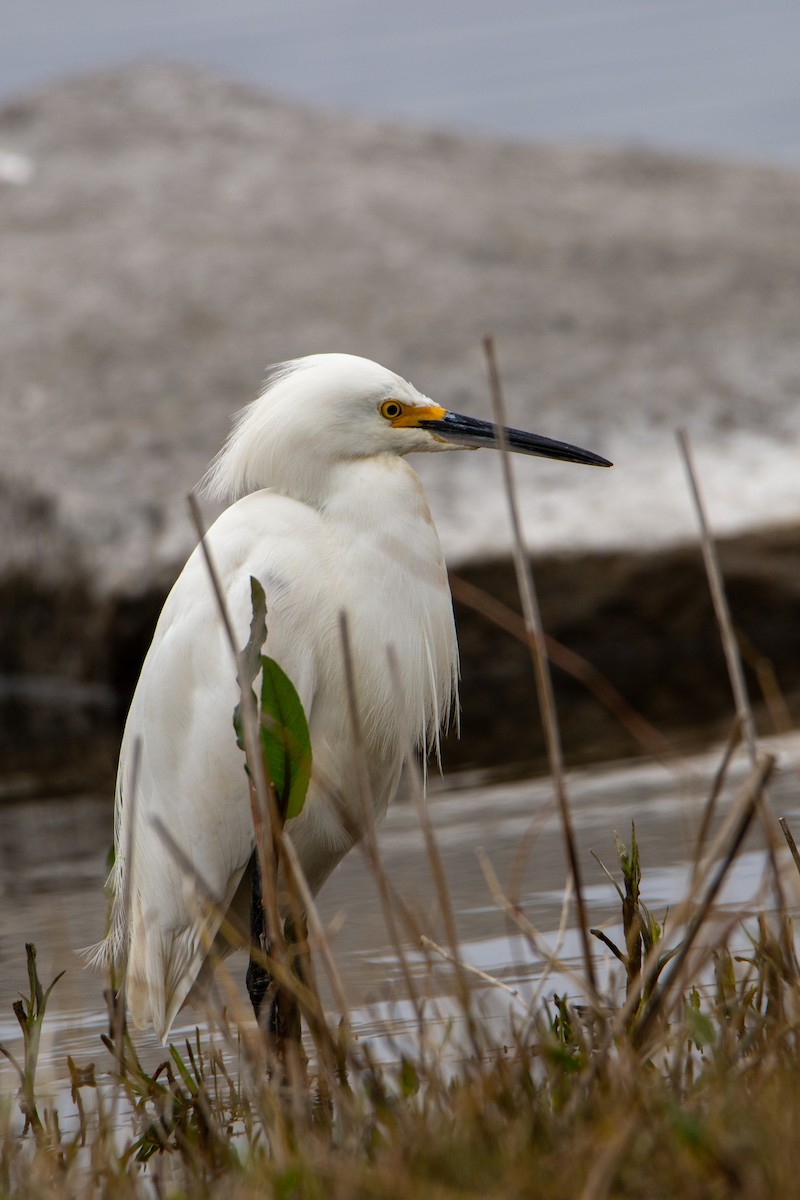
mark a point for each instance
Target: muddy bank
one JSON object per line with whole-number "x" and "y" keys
{"x": 642, "y": 624}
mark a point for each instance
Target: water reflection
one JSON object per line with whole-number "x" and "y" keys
{"x": 53, "y": 864}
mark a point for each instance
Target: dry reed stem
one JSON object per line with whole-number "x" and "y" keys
{"x": 260, "y": 1059}
{"x": 771, "y": 692}
{"x": 519, "y": 862}
{"x": 525, "y": 849}
{"x": 316, "y": 928}
{"x": 733, "y": 835}
{"x": 436, "y": 867}
{"x": 206, "y": 896}
{"x": 492, "y": 980}
{"x": 710, "y": 807}
{"x": 791, "y": 843}
{"x": 727, "y": 843}
{"x": 389, "y": 899}
{"x": 730, "y": 647}
{"x": 118, "y": 1016}
{"x": 561, "y": 933}
{"x": 118, "y": 1001}
{"x": 363, "y": 786}
{"x": 266, "y": 824}
{"x": 544, "y": 683}
{"x": 263, "y": 807}
{"x": 525, "y": 926}
{"x": 720, "y": 602}
{"x": 322, "y": 945}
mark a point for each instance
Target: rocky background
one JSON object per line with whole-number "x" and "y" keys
{"x": 164, "y": 235}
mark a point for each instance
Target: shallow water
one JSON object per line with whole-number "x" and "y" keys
{"x": 52, "y": 866}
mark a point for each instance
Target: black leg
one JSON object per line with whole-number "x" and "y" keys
{"x": 258, "y": 977}
{"x": 284, "y": 1014}
{"x": 283, "y": 1019}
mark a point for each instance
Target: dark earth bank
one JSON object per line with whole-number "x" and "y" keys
{"x": 644, "y": 668}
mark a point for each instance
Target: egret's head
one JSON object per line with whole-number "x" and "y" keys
{"x": 325, "y": 409}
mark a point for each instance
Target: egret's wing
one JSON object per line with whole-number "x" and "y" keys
{"x": 179, "y": 760}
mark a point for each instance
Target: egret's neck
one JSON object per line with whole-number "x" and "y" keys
{"x": 392, "y": 583}
{"x": 311, "y": 480}
{"x": 381, "y": 492}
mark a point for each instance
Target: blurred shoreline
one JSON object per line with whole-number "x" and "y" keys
{"x": 165, "y": 234}
{"x": 638, "y": 623}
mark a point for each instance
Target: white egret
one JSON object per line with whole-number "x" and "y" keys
{"x": 333, "y": 520}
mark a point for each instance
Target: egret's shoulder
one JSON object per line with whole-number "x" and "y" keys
{"x": 263, "y": 526}
{"x": 282, "y": 542}
{"x": 265, "y": 535}
{"x": 266, "y": 510}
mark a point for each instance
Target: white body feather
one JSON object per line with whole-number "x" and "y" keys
{"x": 344, "y": 527}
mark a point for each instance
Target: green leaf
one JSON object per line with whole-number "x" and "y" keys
{"x": 250, "y": 658}
{"x": 182, "y": 1069}
{"x": 699, "y": 1028}
{"x": 409, "y": 1079}
{"x": 285, "y": 740}
{"x": 283, "y": 729}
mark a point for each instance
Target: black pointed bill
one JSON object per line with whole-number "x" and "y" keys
{"x": 467, "y": 431}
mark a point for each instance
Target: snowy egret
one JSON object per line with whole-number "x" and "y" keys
{"x": 332, "y": 520}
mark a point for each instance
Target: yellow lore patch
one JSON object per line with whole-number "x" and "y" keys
{"x": 410, "y": 415}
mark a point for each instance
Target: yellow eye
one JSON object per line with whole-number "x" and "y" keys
{"x": 390, "y": 409}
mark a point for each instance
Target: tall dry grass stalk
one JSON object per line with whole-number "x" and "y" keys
{"x": 541, "y": 664}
